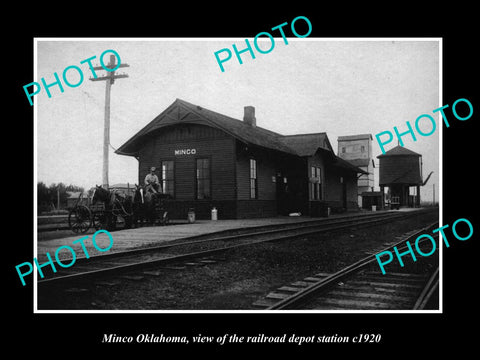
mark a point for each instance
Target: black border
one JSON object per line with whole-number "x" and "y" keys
{"x": 404, "y": 334}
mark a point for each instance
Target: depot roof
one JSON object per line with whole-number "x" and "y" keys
{"x": 306, "y": 144}
{"x": 181, "y": 111}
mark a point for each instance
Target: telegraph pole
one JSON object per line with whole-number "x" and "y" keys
{"x": 110, "y": 79}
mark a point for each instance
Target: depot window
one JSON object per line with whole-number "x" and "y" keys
{"x": 253, "y": 179}
{"x": 203, "y": 179}
{"x": 315, "y": 183}
{"x": 168, "y": 177}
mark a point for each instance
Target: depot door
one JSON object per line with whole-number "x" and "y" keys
{"x": 282, "y": 203}
{"x": 344, "y": 194}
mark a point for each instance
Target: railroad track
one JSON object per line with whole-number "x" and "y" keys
{"x": 360, "y": 286}
{"x": 201, "y": 250}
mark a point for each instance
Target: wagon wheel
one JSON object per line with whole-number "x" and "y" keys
{"x": 165, "y": 218}
{"x": 119, "y": 210}
{"x": 99, "y": 220}
{"x": 105, "y": 220}
{"x": 111, "y": 221}
{"x": 128, "y": 221}
{"x": 80, "y": 219}
{"x": 124, "y": 211}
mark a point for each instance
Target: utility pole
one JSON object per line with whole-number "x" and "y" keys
{"x": 110, "y": 79}
{"x": 433, "y": 194}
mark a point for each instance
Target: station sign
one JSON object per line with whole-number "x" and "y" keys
{"x": 185, "y": 152}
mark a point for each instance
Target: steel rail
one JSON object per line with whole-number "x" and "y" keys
{"x": 181, "y": 257}
{"x": 312, "y": 290}
{"x": 64, "y": 226}
{"x": 263, "y": 230}
{"x": 428, "y": 291}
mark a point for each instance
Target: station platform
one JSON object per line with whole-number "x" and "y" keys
{"x": 156, "y": 235}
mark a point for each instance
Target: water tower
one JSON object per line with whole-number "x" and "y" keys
{"x": 401, "y": 172}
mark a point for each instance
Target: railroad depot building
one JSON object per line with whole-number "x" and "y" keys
{"x": 205, "y": 159}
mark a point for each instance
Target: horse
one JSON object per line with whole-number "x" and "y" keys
{"x": 144, "y": 205}
{"x": 115, "y": 205}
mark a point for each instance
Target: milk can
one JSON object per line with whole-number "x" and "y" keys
{"x": 214, "y": 214}
{"x": 191, "y": 216}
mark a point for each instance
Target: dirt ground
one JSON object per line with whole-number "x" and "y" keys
{"x": 243, "y": 276}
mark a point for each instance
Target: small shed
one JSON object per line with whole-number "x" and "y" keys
{"x": 72, "y": 198}
{"x": 126, "y": 188}
{"x": 372, "y": 198}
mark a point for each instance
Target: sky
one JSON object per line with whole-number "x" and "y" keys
{"x": 338, "y": 86}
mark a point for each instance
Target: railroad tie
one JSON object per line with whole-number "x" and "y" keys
{"x": 277, "y": 295}
{"x": 132, "y": 277}
{"x": 173, "y": 267}
{"x": 264, "y": 303}
{"x": 286, "y": 291}
{"x": 301, "y": 283}
{"x": 107, "y": 283}
{"x": 75, "y": 290}
{"x": 207, "y": 261}
{"x": 153, "y": 272}
{"x": 291, "y": 289}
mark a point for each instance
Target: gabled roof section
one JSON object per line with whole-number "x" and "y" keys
{"x": 255, "y": 135}
{"x": 344, "y": 164}
{"x": 181, "y": 111}
{"x": 307, "y": 144}
{"x": 359, "y": 162}
{"x": 399, "y": 151}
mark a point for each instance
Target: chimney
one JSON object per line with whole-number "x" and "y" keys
{"x": 249, "y": 116}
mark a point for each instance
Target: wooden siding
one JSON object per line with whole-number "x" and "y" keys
{"x": 274, "y": 195}
{"x": 265, "y": 171}
{"x": 230, "y": 175}
{"x": 334, "y": 189}
{"x": 178, "y": 209}
{"x": 247, "y": 209}
{"x": 208, "y": 143}
{"x": 400, "y": 169}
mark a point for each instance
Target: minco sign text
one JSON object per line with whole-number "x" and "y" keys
{"x": 186, "y": 152}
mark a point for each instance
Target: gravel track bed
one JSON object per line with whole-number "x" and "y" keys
{"x": 245, "y": 274}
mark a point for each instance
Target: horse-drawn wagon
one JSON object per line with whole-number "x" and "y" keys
{"x": 107, "y": 208}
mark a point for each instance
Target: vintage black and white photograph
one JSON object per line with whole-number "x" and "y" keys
{"x": 212, "y": 175}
